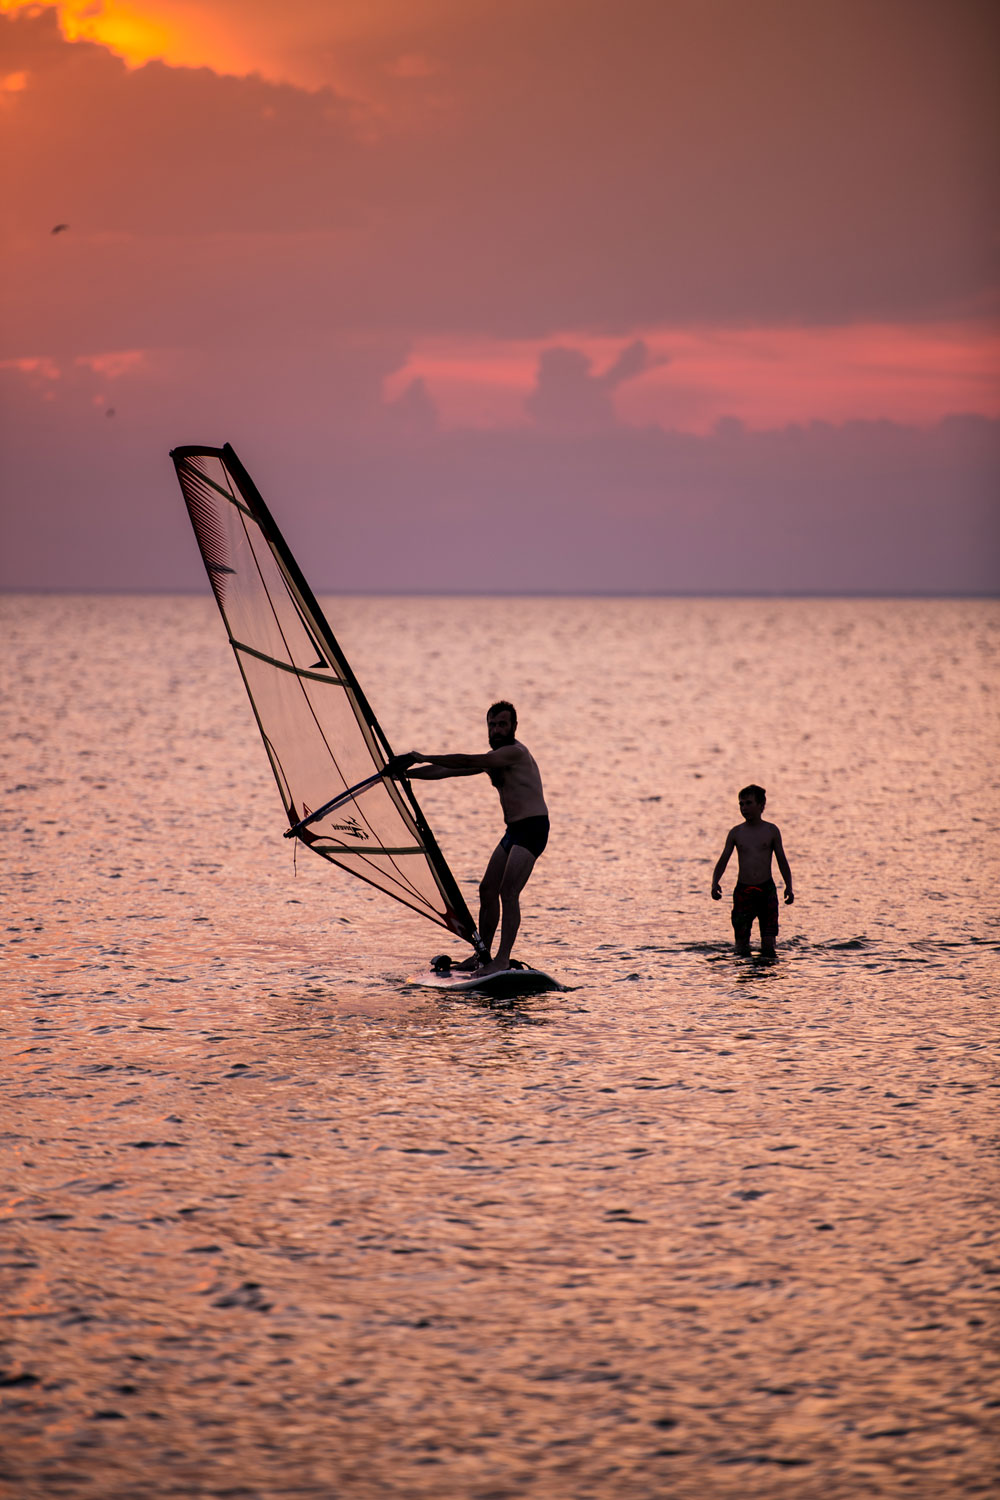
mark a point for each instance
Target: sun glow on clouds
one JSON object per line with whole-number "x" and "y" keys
{"x": 164, "y": 30}
{"x": 311, "y": 44}
{"x": 766, "y": 377}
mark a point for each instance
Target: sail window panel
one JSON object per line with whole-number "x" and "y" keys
{"x": 371, "y": 838}
{"x": 312, "y": 727}
{"x": 404, "y": 877}
{"x": 320, "y": 750}
{"x": 302, "y": 641}
{"x": 221, "y": 528}
{"x": 375, "y": 819}
{"x": 306, "y": 718}
{"x": 257, "y": 607}
{"x": 243, "y": 570}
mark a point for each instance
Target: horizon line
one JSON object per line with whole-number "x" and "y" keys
{"x": 17, "y": 590}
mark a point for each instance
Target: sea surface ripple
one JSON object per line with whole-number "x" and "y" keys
{"x": 277, "y": 1223}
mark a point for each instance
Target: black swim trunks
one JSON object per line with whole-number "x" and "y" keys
{"x": 760, "y": 901}
{"x": 529, "y": 833}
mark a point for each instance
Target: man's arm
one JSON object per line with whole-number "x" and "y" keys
{"x": 434, "y": 773}
{"x": 400, "y": 766}
{"x": 783, "y": 866}
{"x": 467, "y": 765}
{"x": 436, "y": 767}
{"x": 721, "y": 864}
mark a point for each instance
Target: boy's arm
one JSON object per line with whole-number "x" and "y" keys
{"x": 783, "y": 866}
{"x": 721, "y": 864}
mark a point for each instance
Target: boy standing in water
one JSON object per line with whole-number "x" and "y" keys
{"x": 754, "y": 894}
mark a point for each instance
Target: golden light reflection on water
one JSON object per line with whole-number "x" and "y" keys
{"x": 276, "y": 1224}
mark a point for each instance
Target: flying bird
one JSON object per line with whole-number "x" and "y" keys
{"x": 58, "y": 228}
{"x": 110, "y": 412}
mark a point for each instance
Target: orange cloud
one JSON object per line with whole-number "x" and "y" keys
{"x": 352, "y": 46}
{"x": 183, "y": 35}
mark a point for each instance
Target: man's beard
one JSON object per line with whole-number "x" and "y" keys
{"x": 497, "y": 741}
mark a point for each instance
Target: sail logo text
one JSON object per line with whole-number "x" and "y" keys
{"x": 352, "y": 828}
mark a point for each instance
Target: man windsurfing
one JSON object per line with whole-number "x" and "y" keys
{"x": 511, "y": 768}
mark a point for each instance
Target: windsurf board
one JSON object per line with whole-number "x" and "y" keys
{"x": 518, "y": 980}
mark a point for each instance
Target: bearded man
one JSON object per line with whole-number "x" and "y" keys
{"x": 511, "y": 768}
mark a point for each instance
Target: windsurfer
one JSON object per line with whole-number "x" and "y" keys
{"x": 512, "y": 770}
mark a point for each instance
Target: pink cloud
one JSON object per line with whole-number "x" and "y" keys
{"x": 36, "y": 369}
{"x": 114, "y": 364}
{"x": 766, "y": 377}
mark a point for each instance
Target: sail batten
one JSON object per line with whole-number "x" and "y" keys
{"x": 285, "y": 666}
{"x": 322, "y": 739}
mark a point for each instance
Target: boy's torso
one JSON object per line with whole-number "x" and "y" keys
{"x": 754, "y": 845}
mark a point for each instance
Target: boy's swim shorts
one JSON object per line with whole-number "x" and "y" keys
{"x": 760, "y": 901}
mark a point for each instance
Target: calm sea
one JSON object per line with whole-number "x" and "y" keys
{"x": 276, "y": 1224}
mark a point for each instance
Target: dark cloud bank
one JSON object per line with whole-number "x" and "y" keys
{"x": 391, "y": 503}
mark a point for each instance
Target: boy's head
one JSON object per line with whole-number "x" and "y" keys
{"x": 752, "y": 800}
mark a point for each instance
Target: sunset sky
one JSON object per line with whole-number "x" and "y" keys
{"x": 552, "y": 295}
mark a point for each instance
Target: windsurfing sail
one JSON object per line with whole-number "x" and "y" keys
{"x": 324, "y": 743}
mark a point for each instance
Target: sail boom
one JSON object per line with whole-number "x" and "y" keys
{"x": 296, "y": 829}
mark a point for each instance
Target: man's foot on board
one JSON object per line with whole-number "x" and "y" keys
{"x": 467, "y": 966}
{"x": 495, "y": 966}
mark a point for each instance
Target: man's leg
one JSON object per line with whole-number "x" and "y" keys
{"x": 489, "y": 896}
{"x": 519, "y": 865}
